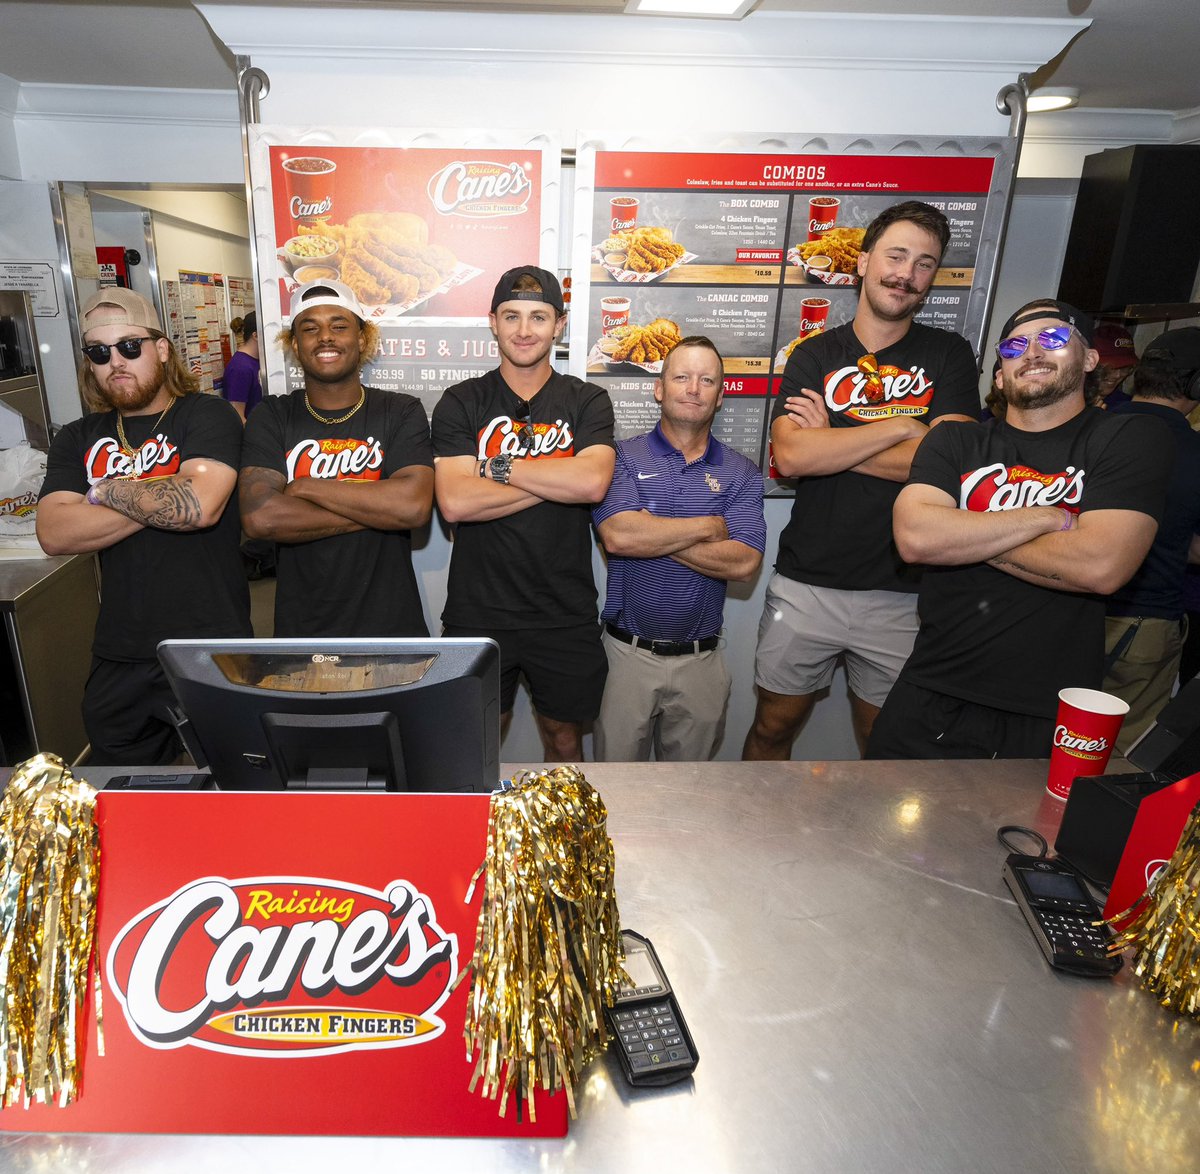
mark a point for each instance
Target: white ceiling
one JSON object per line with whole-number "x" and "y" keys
{"x": 1138, "y": 54}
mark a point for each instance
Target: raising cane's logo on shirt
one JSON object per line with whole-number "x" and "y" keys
{"x": 338, "y": 460}
{"x": 1012, "y": 487}
{"x": 504, "y": 435}
{"x": 284, "y": 966}
{"x": 848, "y": 392}
{"x": 157, "y": 457}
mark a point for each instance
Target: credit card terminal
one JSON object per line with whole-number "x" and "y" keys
{"x": 1061, "y": 912}
{"x": 650, "y": 1037}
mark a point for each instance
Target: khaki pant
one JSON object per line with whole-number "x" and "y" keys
{"x": 673, "y": 705}
{"x": 1144, "y": 671}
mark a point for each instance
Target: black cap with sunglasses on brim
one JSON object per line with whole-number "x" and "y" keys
{"x": 1056, "y": 311}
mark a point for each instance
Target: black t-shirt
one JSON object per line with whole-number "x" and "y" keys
{"x": 160, "y": 584}
{"x": 532, "y": 568}
{"x": 356, "y": 584}
{"x": 840, "y": 532}
{"x": 1156, "y": 589}
{"x": 986, "y": 636}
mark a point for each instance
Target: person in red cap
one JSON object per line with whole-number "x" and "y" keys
{"x": 144, "y": 480}
{"x": 522, "y": 453}
{"x": 1114, "y": 345}
{"x": 1024, "y": 524}
{"x": 338, "y": 475}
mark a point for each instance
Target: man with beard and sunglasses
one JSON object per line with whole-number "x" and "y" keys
{"x": 338, "y": 475}
{"x": 145, "y": 480}
{"x": 855, "y": 402}
{"x": 522, "y": 454}
{"x": 1024, "y": 524}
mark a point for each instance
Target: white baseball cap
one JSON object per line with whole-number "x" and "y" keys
{"x": 325, "y": 293}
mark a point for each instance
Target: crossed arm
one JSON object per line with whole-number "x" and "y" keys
{"x": 312, "y": 507}
{"x": 464, "y": 496}
{"x": 1098, "y": 553}
{"x": 701, "y": 543}
{"x": 192, "y": 499}
{"x": 805, "y": 445}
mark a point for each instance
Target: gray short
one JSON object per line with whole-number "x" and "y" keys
{"x": 805, "y": 629}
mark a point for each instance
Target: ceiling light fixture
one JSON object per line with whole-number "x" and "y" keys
{"x": 1052, "y": 98}
{"x": 722, "y": 9}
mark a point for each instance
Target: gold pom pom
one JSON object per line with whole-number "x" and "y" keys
{"x": 49, "y": 866}
{"x": 548, "y": 946}
{"x": 1165, "y": 930}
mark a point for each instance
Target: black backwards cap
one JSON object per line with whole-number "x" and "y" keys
{"x": 1175, "y": 350}
{"x": 1051, "y": 308}
{"x": 550, "y": 293}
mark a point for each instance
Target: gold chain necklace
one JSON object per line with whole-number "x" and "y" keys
{"x": 128, "y": 448}
{"x": 362, "y": 399}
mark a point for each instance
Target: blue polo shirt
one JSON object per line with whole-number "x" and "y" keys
{"x": 660, "y": 598}
{"x": 1156, "y": 588}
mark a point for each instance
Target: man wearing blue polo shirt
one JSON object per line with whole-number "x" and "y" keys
{"x": 683, "y": 516}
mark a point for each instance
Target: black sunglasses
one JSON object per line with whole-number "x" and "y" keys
{"x": 129, "y": 348}
{"x": 524, "y": 427}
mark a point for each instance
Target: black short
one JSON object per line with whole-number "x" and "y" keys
{"x": 126, "y": 712}
{"x": 565, "y": 667}
{"x": 919, "y": 723}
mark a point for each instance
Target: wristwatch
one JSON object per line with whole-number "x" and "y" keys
{"x": 500, "y": 467}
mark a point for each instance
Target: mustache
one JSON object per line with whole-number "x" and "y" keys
{"x": 900, "y": 284}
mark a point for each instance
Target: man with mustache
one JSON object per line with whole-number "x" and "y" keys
{"x": 338, "y": 475}
{"x": 1024, "y": 524}
{"x": 144, "y": 480}
{"x": 855, "y": 403}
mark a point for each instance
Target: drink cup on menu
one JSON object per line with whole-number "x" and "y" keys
{"x": 822, "y": 215}
{"x": 1084, "y": 734}
{"x": 623, "y": 210}
{"x": 309, "y": 183}
{"x": 614, "y": 312}
{"x": 813, "y": 313}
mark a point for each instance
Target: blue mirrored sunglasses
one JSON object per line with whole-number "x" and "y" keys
{"x": 1016, "y": 345}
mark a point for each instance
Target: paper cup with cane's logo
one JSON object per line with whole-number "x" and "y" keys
{"x": 1087, "y": 726}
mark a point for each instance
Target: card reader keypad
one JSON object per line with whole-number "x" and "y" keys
{"x": 1074, "y": 936}
{"x": 651, "y": 1037}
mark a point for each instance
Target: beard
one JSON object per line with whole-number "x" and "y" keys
{"x": 133, "y": 396}
{"x": 1026, "y": 397}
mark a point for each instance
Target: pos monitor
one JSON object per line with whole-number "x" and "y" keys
{"x": 354, "y": 714}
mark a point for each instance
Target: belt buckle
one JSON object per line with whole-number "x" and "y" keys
{"x": 662, "y": 647}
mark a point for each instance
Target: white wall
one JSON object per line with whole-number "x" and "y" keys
{"x": 770, "y": 72}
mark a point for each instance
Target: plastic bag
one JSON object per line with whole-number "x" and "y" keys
{"x": 22, "y": 471}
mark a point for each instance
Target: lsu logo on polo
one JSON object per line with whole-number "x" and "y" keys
{"x": 284, "y": 966}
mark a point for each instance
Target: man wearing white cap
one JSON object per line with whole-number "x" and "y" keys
{"x": 338, "y": 475}
{"x": 144, "y": 480}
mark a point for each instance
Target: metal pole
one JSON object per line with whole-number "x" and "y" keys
{"x": 253, "y": 86}
{"x": 1011, "y": 100}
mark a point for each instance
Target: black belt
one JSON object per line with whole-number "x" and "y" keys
{"x": 663, "y": 647}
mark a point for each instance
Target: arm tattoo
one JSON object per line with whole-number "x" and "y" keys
{"x": 169, "y": 504}
{"x": 1002, "y": 561}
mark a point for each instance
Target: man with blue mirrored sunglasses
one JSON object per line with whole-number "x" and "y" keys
{"x": 1026, "y": 523}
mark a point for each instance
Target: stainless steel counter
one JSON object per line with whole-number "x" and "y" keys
{"x": 863, "y": 993}
{"x": 49, "y": 607}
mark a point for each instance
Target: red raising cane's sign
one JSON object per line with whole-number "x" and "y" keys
{"x": 252, "y": 965}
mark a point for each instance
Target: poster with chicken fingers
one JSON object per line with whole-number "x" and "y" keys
{"x": 418, "y": 224}
{"x": 757, "y": 246}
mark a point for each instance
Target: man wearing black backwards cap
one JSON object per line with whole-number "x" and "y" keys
{"x": 522, "y": 454}
{"x": 338, "y": 475}
{"x": 144, "y": 481}
{"x": 1023, "y": 523}
{"x": 1145, "y": 625}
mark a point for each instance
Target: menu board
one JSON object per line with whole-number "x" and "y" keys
{"x": 421, "y": 230}
{"x": 757, "y": 251}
